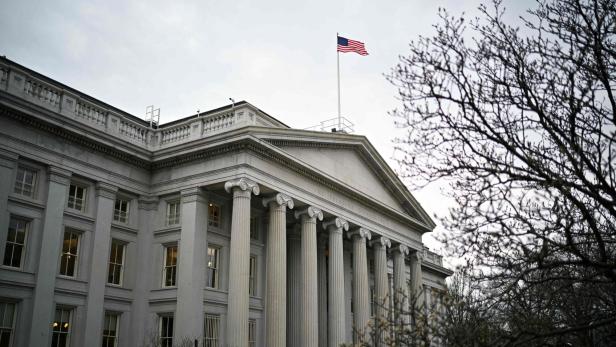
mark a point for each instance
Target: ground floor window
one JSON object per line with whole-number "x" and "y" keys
{"x": 61, "y": 328}
{"x": 211, "y": 330}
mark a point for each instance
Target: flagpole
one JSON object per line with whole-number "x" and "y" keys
{"x": 338, "y": 71}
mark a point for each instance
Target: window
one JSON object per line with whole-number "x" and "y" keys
{"x": 68, "y": 260}
{"x": 25, "y": 182}
{"x": 15, "y": 243}
{"x": 7, "y": 321}
{"x": 77, "y": 197}
{"x": 110, "y": 330}
{"x": 252, "y": 276}
{"x": 254, "y": 228}
{"x": 252, "y": 333}
{"x": 61, "y": 328}
{"x": 120, "y": 211}
{"x": 170, "y": 269}
{"x": 173, "y": 212}
{"x": 166, "y": 331}
{"x": 211, "y": 330}
{"x": 213, "y": 261}
{"x": 213, "y": 212}
{"x": 116, "y": 262}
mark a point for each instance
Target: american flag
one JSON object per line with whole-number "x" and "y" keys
{"x": 346, "y": 45}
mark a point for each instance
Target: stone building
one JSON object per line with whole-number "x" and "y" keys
{"x": 226, "y": 227}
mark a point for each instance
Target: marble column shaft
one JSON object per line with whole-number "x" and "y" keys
{"x": 105, "y": 201}
{"x": 416, "y": 279}
{"x": 361, "y": 286}
{"x": 400, "y": 283}
{"x": 336, "y": 326}
{"x": 381, "y": 287}
{"x": 51, "y": 245}
{"x": 309, "y": 332}
{"x": 276, "y": 265}
{"x": 238, "y": 299}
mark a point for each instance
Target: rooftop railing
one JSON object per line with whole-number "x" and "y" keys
{"x": 340, "y": 125}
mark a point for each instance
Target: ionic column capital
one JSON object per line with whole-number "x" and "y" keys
{"x": 402, "y": 249}
{"x": 310, "y": 212}
{"x": 336, "y": 224}
{"x": 280, "y": 199}
{"x": 360, "y": 233}
{"x": 382, "y": 241}
{"x": 243, "y": 184}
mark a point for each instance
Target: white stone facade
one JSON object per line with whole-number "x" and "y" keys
{"x": 228, "y": 227}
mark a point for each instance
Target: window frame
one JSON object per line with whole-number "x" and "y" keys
{"x": 34, "y": 185}
{"x": 111, "y": 264}
{"x": 75, "y": 256}
{"x": 173, "y": 267}
{"x": 211, "y": 221}
{"x": 214, "y": 327}
{"x": 162, "y": 317}
{"x": 255, "y": 228}
{"x": 68, "y": 333}
{"x": 117, "y": 213}
{"x": 252, "y": 332}
{"x": 26, "y": 231}
{"x": 116, "y": 331}
{"x": 216, "y": 269}
{"x": 84, "y": 199}
{"x": 173, "y": 219}
{"x": 252, "y": 275}
{"x": 10, "y": 328}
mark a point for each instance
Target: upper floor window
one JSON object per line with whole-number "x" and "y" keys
{"x": 213, "y": 261}
{"x": 7, "y": 323}
{"x": 166, "y": 331}
{"x": 116, "y": 262}
{"x": 252, "y": 276}
{"x": 211, "y": 331}
{"x": 170, "y": 266}
{"x": 110, "y": 330}
{"x": 120, "y": 211}
{"x": 14, "y": 251}
{"x": 61, "y": 328}
{"x": 213, "y": 211}
{"x": 70, "y": 247}
{"x": 173, "y": 212}
{"x": 25, "y": 182}
{"x": 77, "y": 197}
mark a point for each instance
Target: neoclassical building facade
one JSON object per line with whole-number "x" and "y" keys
{"x": 225, "y": 228}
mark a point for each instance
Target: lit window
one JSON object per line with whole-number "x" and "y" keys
{"x": 25, "y": 182}
{"x": 77, "y": 197}
{"x": 252, "y": 276}
{"x": 166, "y": 331}
{"x": 254, "y": 228}
{"x": 211, "y": 330}
{"x": 7, "y": 323}
{"x": 173, "y": 212}
{"x": 116, "y": 262}
{"x": 61, "y": 328}
{"x": 213, "y": 259}
{"x": 120, "y": 211}
{"x": 170, "y": 268}
{"x": 252, "y": 333}
{"x": 68, "y": 260}
{"x": 213, "y": 212}
{"x": 110, "y": 330}
{"x": 15, "y": 243}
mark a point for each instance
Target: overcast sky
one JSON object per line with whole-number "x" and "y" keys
{"x": 183, "y": 56}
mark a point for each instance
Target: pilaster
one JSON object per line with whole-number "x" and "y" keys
{"x": 8, "y": 163}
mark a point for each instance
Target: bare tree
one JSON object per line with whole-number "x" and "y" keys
{"x": 522, "y": 123}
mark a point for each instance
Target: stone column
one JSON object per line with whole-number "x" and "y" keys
{"x": 361, "y": 286}
{"x": 309, "y": 331}
{"x": 276, "y": 266}
{"x": 381, "y": 287}
{"x": 105, "y": 201}
{"x": 417, "y": 292}
{"x": 294, "y": 275}
{"x": 238, "y": 304}
{"x": 8, "y": 163}
{"x": 336, "y": 326}
{"x": 148, "y": 208}
{"x": 400, "y": 284}
{"x": 191, "y": 265}
{"x": 322, "y": 273}
{"x": 51, "y": 243}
